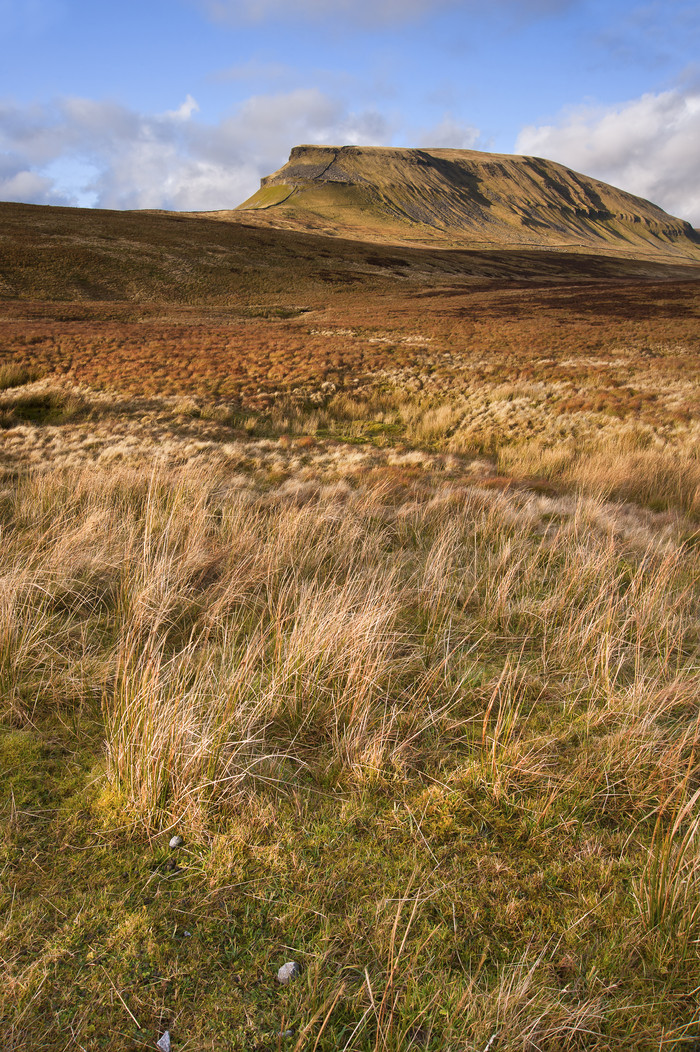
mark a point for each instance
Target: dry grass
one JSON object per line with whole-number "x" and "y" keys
{"x": 439, "y": 669}
{"x": 16, "y": 376}
{"x": 384, "y": 592}
{"x": 584, "y": 389}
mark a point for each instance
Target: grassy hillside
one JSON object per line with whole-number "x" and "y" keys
{"x": 463, "y": 198}
{"x": 373, "y": 574}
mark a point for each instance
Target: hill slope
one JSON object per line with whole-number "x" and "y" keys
{"x": 49, "y": 253}
{"x": 461, "y": 197}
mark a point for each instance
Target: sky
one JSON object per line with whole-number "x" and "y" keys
{"x": 185, "y": 104}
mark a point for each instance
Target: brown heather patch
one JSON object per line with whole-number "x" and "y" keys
{"x": 619, "y": 364}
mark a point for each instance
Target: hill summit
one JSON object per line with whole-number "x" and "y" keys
{"x": 461, "y": 198}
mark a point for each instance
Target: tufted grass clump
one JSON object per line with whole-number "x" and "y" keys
{"x": 437, "y": 742}
{"x": 14, "y": 374}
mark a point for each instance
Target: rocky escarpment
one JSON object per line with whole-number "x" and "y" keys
{"x": 461, "y": 197}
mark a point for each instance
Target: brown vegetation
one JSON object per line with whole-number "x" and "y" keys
{"x": 377, "y": 579}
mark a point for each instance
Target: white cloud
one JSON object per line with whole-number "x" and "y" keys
{"x": 255, "y": 69}
{"x": 23, "y": 185}
{"x": 264, "y": 124}
{"x": 185, "y": 111}
{"x": 450, "y": 133}
{"x": 649, "y": 146}
{"x": 170, "y": 160}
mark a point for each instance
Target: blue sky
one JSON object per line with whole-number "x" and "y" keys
{"x": 186, "y": 103}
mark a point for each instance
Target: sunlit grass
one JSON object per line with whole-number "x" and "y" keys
{"x": 382, "y": 591}
{"x": 485, "y": 711}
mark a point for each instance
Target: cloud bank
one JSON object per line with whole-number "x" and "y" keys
{"x": 170, "y": 160}
{"x": 92, "y": 152}
{"x": 649, "y": 146}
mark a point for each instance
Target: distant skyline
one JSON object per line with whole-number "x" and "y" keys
{"x": 185, "y": 104}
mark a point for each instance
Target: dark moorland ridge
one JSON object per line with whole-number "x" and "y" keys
{"x": 78, "y": 255}
{"x": 461, "y": 198}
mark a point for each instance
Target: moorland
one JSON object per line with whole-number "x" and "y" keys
{"x": 370, "y": 569}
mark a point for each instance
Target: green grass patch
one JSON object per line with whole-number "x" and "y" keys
{"x": 267, "y": 197}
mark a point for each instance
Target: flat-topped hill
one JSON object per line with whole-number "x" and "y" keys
{"x": 461, "y": 198}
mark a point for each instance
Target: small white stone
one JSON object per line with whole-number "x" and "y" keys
{"x": 164, "y": 1043}
{"x": 287, "y": 972}
{"x": 176, "y": 841}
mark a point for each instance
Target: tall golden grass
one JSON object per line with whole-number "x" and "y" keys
{"x": 261, "y": 643}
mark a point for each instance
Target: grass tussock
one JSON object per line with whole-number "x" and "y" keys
{"x": 14, "y": 375}
{"x": 658, "y": 478}
{"x": 45, "y": 405}
{"x": 441, "y": 748}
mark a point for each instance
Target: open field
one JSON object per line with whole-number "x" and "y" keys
{"x": 545, "y": 379}
{"x": 375, "y": 575}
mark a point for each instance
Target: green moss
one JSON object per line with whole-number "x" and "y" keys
{"x": 20, "y": 763}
